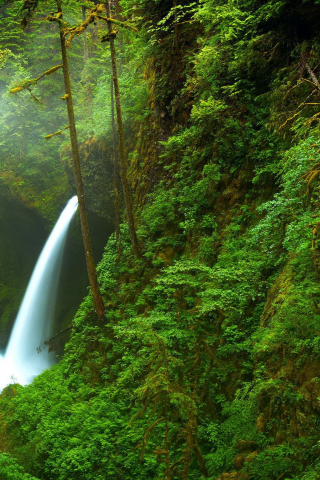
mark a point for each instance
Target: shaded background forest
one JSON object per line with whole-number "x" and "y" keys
{"x": 206, "y": 365}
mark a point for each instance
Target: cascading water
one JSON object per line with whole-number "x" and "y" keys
{"x": 21, "y": 362}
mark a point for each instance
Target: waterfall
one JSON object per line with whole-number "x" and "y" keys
{"x": 22, "y": 362}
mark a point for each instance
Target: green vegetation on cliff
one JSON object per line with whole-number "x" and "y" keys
{"x": 206, "y": 363}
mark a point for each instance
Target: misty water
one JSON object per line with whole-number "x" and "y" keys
{"x": 22, "y": 361}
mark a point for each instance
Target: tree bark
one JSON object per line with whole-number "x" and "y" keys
{"x": 123, "y": 162}
{"x": 91, "y": 268}
{"x": 115, "y": 166}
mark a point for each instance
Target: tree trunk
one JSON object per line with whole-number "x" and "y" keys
{"x": 123, "y": 162}
{"x": 97, "y": 298}
{"x": 115, "y": 166}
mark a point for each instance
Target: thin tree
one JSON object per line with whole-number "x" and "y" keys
{"x": 122, "y": 150}
{"x": 96, "y": 14}
{"x": 91, "y": 267}
{"x": 30, "y": 6}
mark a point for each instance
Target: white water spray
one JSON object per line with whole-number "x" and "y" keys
{"x": 21, "y": 362}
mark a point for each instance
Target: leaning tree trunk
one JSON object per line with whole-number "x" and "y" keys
{"x": 97, "y": 298}
{"x": 122, "y": 151}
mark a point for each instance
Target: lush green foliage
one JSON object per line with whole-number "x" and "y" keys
{"x": 207, "y": 359}
{"x": 10, "y": 470}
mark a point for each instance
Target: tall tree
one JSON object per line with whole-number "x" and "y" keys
{"x": 92, "y": 273}
{"x": 30, "y": 6}
{"x": 122, "y": 150}
{"x": 95, "y": 14}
